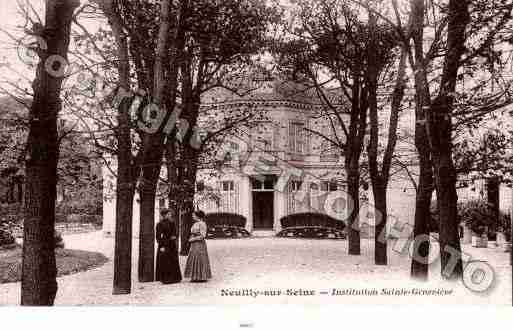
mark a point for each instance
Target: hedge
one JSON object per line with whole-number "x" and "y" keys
{"x": 477, "y": 215}
{"x": 312, "y": 225}
{"x": 225, "y": 219}
{"x": 226, "y": 225}
{"x": 311, "y": 219}
{"x": 6, "y": 238}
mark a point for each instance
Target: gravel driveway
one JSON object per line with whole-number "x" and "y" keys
{"x": 277, "y": 271}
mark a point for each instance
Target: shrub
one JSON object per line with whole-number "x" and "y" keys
{"x": 78, "y": 218}
{"x": 225, "y": 219}
{"x": 6, "y": 238}
{"x": 477, "y": 215}
{"x": 311, "y": 219}
{"x": 10, "y": 227}
{"x": 505, "y": 225}
{"x": 226, "y": 225}
{"x": 59, "y": 242}
{"x": 80, "y": 205}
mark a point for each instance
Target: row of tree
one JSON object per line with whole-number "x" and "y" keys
{"x": 363, "y": 49}
{"x": 173, "y": 52}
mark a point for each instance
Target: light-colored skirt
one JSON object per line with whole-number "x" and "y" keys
{"x": 198, "y": 264}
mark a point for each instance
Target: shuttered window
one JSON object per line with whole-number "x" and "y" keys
{"x": 297, "y": 137}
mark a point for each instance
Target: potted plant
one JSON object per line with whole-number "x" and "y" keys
{"x": 476, "y": 216}
{"x": 504, "y": 233}
{"x": 479, "y": 235}
{"x": 59, "y": 242}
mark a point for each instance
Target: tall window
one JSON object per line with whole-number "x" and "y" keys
{"x": 228, "y": 186}
{"x": 200, "y": 186}
{"x": 297, "y": 137}
{"x": 295, "y": 185}
{"x": 266, "y": 182}
{"x": 328, "y": 152}
{"x": 329, "y": 186}
{"x": 263, "y": 136}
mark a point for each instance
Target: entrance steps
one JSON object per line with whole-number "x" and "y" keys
{"x": 263, "y": 233}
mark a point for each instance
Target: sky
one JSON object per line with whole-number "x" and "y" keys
{"x": 13, "y": 58}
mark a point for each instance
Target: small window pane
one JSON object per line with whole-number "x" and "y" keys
{"x": 269, "y": 183}
{"x": 296, "y": 185}
{"x": 256, "y": 184}
{"x": 228, "y": 185}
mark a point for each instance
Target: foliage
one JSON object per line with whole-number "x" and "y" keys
{"x": 226, "y": 225}
{"x": 6, "y": 237}
{"x": 78, "y": 178}
{"x": 311, "y": 225}
{"x": 504, "y": 225}
{"x": 89, "y": 205}
{"x": 477, "y": 215}
{"x": 485, "y": 153}
{"x": 310, "y": 219}
{"x": 59, "y": 241}
{"x": 225, "y": 219}
{"x": 13, "y": 133}
{"x": 68, "y": 262}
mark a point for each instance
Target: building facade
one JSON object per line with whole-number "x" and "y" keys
{"x": 284, "y": 163}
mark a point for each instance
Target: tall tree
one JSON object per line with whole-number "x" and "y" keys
{"x": 39, "y": 285}
{"x": 489, "y": 21}
{"x": 419, "y": 268}
{"x": 126, "y": 163}
{"x": 330, "y": 46}
{"x": 220, "y": 40}
{"x": 379, "y": 52}
{"x": 164, "y": 89}
{"x": 439, "y": 125}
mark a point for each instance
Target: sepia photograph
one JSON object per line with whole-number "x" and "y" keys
{"x": 253, "y": 153}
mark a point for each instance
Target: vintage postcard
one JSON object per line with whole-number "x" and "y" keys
{"x": 254, "y": 153}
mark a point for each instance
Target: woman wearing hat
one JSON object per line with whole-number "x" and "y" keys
{"x": 168, "y": 265}
{"x": 198, "y": 264}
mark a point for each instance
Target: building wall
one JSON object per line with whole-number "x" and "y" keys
{"x": 267, "y": 149}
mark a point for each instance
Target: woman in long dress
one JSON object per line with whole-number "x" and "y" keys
{"x": 168, "y": 265}
{"x": 198, "y": 264}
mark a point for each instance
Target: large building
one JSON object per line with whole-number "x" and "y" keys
{"x": 280, "y": 164}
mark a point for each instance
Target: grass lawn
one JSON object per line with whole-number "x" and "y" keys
{"x": 68, "y": 262}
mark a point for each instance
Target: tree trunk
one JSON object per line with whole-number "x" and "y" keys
{"x": 440, "y": 134}
{"x": 421, "y": 228}
{"x": 125, "y": 185}
{"x": 447, "y": 199}
{"x": 125, "y": 191}
{"x": 173, "y": 181}
{"x": 164, "y": 92}
{"x": 493, "y": 197}
{"x": 38, "y": 283}
{"x": 353, "y": 186}
{"x": 186, "y": 224}
{"x": 380, "y": 238}
{"x": 148, "y": 192}
{"x": 188, "y": 184}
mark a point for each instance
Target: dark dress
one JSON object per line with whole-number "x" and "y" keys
{"x": 168, "y": 265}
